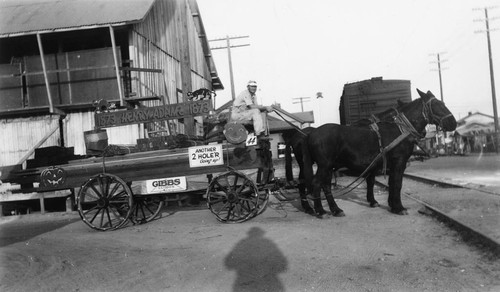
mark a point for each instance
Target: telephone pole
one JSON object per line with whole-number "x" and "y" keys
{"x": 301, "y": 101}
{"x": 228, "y": 46}
{"x": 492, "y": 76}
{"x": 439, "y": 69}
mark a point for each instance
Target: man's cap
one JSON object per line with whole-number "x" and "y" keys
{"x": 252, "y": 83}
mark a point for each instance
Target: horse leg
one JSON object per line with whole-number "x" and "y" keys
{"x": 288, "y": 162}
{"x": 303, "y": 198}
{"x": 395, "y": 184}
{"x": 370, "y": 182}
{"x": 316, "y": 186}
{"x": 302, "y": 184}
{"x": 327, "y": 189}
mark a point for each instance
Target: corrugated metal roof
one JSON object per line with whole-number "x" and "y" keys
{"x": 32, "y": 16}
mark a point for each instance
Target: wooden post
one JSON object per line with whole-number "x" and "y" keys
{"x": 28, "y": 154}
{"x": 42, "y": 203}
{"x": 185, "y": 61}
{"x": 117, "y": 66}
{"x": 45, "y": 76}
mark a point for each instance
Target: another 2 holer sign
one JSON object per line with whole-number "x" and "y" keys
{"x": 207, "y": 155}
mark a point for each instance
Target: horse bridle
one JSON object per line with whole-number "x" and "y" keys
{"x": 429, "y": 115}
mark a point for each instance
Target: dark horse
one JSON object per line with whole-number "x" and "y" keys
{"x": 295, "y": 140}
{"x": 334, "y": 146}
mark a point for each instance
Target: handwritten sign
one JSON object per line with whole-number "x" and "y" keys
{"x": 166, "y": 185}
{"x": 251, "y": 140}
{"x": 151, "y": 114}
{"x": 207, "y": 155}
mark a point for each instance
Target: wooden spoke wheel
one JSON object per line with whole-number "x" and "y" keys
{"x": 233, "y": 197}
{"x": 105, "y": 202}
{"x": 146, "y": 208}
{"x": 263, "y": 199}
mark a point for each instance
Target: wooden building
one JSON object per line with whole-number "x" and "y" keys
{"x": 59, "y": 58}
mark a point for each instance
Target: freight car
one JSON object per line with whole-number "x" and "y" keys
{"x": 362, "y": 99}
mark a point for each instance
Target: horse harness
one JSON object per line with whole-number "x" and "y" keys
{"x": 406, "y": 129}
{"x": 429, "y": 115}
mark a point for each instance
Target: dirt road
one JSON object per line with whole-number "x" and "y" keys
{"x": 283, "y": 249}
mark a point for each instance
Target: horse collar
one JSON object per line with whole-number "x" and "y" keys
{"x": 405, "y": 126}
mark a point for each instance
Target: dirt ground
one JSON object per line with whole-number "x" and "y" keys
{"x": 282, "y": 249}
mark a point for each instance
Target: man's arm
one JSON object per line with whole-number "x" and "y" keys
{"x": 262, "y": 108}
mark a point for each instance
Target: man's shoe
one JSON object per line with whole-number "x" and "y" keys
{"x": 262, "y": 137}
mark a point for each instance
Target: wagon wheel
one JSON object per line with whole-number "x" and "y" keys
{"x": 263, "y": 199}
{"x": 105, "y": 202}
{"x": 146, "y": 208}
{"x": 233, "y": 197}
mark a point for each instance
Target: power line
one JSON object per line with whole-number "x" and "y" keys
{"x": 228, "y": 46}
{"x": 301, "y": 101}
{"x": 492, "y": 75}
{"x": 439, "y": 69}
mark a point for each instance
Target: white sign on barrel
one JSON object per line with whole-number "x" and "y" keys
{"x": 166, "y": 185}
{"x": 207, "y": 155}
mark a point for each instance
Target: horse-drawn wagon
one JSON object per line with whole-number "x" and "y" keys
{"x": 121, "y": 185}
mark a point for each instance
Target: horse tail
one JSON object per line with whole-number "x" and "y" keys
{"x": 288, "y": 138}
{"x": 307, "y": 164}
{"x": 288, "y": 162}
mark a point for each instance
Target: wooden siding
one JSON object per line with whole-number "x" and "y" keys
{"x": 153, "y": 44}
{"x": 24, "y": 133}
{"x": 362, "y": 99}
{"x": 89, "y": 76}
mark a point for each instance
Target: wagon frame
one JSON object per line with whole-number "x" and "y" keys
{"x": 105, "y": 199}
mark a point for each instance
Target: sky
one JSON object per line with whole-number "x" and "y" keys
{"x": 298, "y": 48}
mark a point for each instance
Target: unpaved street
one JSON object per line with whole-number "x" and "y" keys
{"x": 283, "y": 249}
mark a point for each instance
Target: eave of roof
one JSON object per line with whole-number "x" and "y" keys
{"x": 27, "y": 17}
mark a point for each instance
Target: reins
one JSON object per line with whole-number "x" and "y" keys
{"x": 291, "y": 124}
{"x": 382, "y": 153}
{"x": 406, "y": 128}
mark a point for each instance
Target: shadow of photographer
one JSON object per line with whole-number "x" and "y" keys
{"x": 257, "y": 261}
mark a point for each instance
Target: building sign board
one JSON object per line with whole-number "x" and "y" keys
{"x": 207, "y": 155}
{"x": 152, "y": 114}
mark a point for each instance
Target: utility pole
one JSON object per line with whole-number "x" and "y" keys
{"x": 439, "y": 61}
{"x": 301, "y": 101}
{"x": 492, "y": 76}
{"x": 228, "y": 46}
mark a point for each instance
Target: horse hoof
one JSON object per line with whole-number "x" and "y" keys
{"x": 309, "y": 211}
{"x": 401, "y": 212}
{"x": 320, "y": 212}
{"x": 319, "y": 216}
{"x": 338, "y": 213}
{"x": 374, "y": 205}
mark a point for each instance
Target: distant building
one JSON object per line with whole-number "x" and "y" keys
{"x": 476, "y": 132}
{"x": 278, "y": 125}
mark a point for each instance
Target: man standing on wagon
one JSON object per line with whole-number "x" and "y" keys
{"x": 245, "y": 108}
